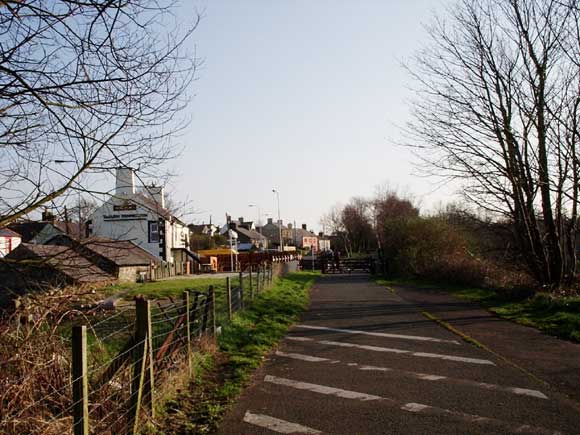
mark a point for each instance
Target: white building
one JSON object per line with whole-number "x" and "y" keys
{"x": 141, "y": 217}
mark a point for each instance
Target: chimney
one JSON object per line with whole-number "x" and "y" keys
{"x": 304, "y": 226}
{"x": 47, "y": 216}
{"x": 270, "y": 220}
{"x": 321, "y": 234}
{"x": 125, "y": 182}
{"x": 241, "y": 219}
{"x": 158, "y": 195}
{"x": 280, "y": 222}
{"x": 289, "y": 226}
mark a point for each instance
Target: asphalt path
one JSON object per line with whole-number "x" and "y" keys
{"x": 364, "y": 360}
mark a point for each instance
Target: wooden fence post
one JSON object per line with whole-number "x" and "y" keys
{"x": 144, "y": 349}
{"x": 137, "y": 393}
{"x": 258, "y": 279}
{"x": 213, "y": 319}
{"x": 250, "y": 281}
{"x": 80, "y": 385}
{"x": 229, "y": 297}
{"x": 187, "y": 303}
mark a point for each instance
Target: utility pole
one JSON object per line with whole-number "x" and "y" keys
{"x": 281, "y": 246}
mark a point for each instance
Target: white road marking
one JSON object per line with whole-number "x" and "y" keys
{"x": 277, "y": 425}
{"x": 409, "y": 352}
{"x": 379, "y": 334}
{"x": 421, "y": 376}
{"x": 321, "y": 389}
{"x": 302, "y": 357}
{"x": 413, "y": 407}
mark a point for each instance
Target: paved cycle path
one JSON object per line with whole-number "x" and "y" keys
{"x": 363, "y": 360}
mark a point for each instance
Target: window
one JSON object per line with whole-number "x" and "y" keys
{"x": 153, "y": 232}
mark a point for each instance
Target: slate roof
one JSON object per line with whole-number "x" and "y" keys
{"x": 251, "y": 234}
{"x": 27, "y": 230}
{"x": 7, "y": 232}
{"x": 63, "y": 259}
{"x": 121, "y": 252}
{"x": 301, "y": 232}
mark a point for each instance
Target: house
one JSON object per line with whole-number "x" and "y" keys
{"x": 32, "y": 266}
{"x": 248, "y": 238}
{"x": 323, "y": 242}
{"x": 9, "y": 240}
{"x": 305, "y": 239}
{"x": 120, "y": 258}
{"x": 203, "y": 229}
{"x": 38, "y": 232}
{"x": 272, "y": 232}
{"x": 141, "y": 217}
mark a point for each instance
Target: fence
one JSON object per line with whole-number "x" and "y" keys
{"x": 120, "y": 362}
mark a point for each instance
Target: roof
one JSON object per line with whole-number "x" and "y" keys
{"x": 121, "y": 252}
{"x": 27, "y": 230}
{"x": 63, "y": 259}
{"x": 301, "y": 232}
{"x": 73, "y": 229}
{"x": 254, "y": 235}
{"x": 7, "y": 232}
{"x": 200, "y": 228}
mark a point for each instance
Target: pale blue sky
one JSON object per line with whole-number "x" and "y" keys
{"x": 300, "y": 95}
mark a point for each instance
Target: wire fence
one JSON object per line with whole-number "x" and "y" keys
{"x": 103, "y": 375}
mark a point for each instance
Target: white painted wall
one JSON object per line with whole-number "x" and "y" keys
{"x": 8, "y": 244}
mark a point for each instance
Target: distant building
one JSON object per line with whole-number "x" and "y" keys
{"x": 203, "y": 229}
{"x": 305, "y": 239}
{"x": 38, "y": 232}
{"x": 323, "y": 242}
{"x": 272, "y": 232}
{"x": 248, "y": 238}
{"x": 141, "y": 217}
{"x": 9, "y": 240}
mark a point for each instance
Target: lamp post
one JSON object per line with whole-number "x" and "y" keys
{"x": 281, "y": 247}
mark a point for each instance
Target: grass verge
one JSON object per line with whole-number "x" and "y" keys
{"x": 242, "y": 347}
{"x": 552, "y": 314}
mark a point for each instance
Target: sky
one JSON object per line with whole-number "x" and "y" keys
{"x": 307, "y": 97}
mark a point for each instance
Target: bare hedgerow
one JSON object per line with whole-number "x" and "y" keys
{"x": 35, "y": 361}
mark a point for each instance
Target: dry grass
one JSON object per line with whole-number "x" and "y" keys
{"x": 35, "y": 361}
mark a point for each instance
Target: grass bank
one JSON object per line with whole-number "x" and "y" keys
{"x": 241, "y": 348}
{"x": 552, "y": 314}
{"x": 169, "y": 287}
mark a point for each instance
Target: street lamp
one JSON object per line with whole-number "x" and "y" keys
{"x": 281, "y": 247}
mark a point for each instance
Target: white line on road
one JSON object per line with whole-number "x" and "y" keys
{"x": 302, "y": 357}
{"x": 321, "y": 389}
{"x": 379, "y": 334}
{"x": 421, "y": 376}
{"x": 409, "y": 352}
{"x": 417, "y": 408}
{"x": 277, "y": 425}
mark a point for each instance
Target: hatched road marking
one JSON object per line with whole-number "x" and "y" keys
{"x": 399, "y": 351}
{"x": 379, "y": 334}
{"x": 416, "y": 408}
{"x": 277, "y": 425}
{"x": 321, "y": 389}
{"x": 421, "y": 376}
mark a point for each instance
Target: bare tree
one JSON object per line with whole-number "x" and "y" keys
{"x": 86, "y": 86}
{"x": 498, "y": 107}
{"x": 335, "y": 224}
